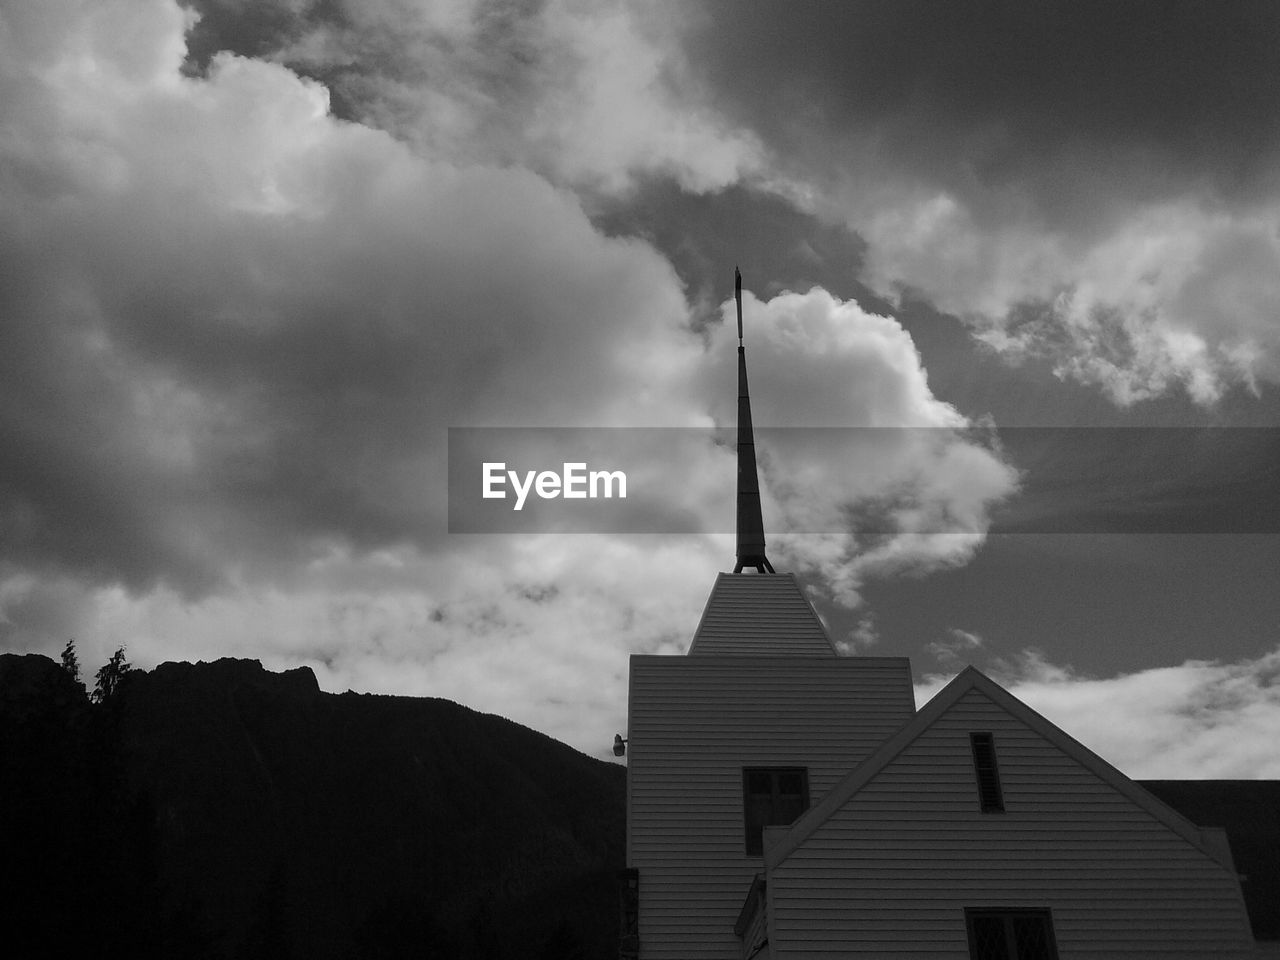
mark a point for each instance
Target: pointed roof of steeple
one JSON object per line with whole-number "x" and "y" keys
{"x": 750, "y": 524}
{"x": 760, "y": 616}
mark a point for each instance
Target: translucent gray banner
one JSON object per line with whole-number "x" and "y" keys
{"x": 867, "y": 480}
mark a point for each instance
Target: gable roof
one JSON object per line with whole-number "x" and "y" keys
{"x": 1207, "y": 841}
{"x": 760, "y": 614}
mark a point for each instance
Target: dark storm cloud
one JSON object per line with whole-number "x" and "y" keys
{"x": 988, "y": 93}
{"x": 381, "y": 42}
{"x": 74, "y": 492}
{"x": 250, "y": 28}
{"x": 1107, "y": 170}
{"x": 1009, "y": 85}
{"x": 776, "y": 246}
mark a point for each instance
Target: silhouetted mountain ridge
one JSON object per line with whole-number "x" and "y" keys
{"x": 272, "y": 819}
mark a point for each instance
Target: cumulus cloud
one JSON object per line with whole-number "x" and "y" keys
{"x": 956, "y": 648}
{"x": 1202, "y": 719}
{"x": 861, "y": 638}
{"x": 261, "y": 319}
{"x": 1173, "y": 296}
{"x": 875, "y": 473}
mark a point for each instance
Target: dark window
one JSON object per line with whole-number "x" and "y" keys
{"x": 984, "y": 766}
{"x": 1010, "y": 935}
{"x": 772, "y": 796}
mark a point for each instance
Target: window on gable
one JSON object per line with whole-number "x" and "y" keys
{"x": 1010, "y": 934}
{"x": 988, "y": 774}
{"x": 772, "y": 796}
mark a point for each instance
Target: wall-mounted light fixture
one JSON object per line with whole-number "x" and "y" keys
{"x": 619, "y": 745}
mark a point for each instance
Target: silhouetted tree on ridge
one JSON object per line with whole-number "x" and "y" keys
{"x": 70, "y": 662}
{"x": 109, "y": 677}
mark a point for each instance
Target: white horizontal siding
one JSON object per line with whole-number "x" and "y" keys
{"x": 891, "y": 872}
{"x": 694, "y": 723}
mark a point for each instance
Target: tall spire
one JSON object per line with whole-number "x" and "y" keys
{"x": 750, "y": 521}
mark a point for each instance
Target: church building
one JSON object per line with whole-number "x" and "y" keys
{"x": 784, "y": 801}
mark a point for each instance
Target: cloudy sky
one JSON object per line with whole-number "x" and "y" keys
{"x": 257, "y": 257}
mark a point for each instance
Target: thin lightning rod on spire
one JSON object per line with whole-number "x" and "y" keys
{"x": 750, "y": 520}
